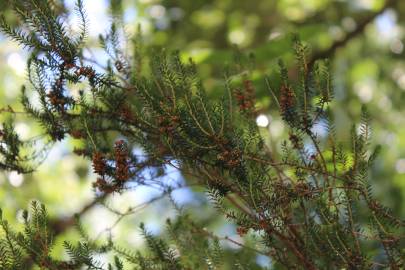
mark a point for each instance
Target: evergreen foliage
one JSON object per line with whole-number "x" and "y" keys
{"x": 313, "y": 208}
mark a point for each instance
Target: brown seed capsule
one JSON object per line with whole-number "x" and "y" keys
{"x": 241, "y": 231}
{"x": 69, "y": 65}
{"x": 295, "y": 141}
{"x": 246, "y": 98}
{"x": 99, "y": 164}
{"x": 103, "y": 186}
{"x": 126, "y": 114}
{"x": 287, "y": 102}
{"x": 90, "y": 73}
{"x": 263, "y": 224}
{"x": 121, "y": 161}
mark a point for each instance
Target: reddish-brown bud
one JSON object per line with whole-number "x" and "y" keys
{"x": 99, "y": 164}
{"x": 241, "y": 231}
{"x": 121, "y": 161}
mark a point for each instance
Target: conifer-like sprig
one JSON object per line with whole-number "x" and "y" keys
{"x": 310, "y": 207}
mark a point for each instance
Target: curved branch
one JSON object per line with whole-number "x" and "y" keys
{"x": 361, "y": 25}
{"x": 60, "y": 225}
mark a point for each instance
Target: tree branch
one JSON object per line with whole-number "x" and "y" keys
{"x": 361, "y": 25}
{"x": 59, "y": 226}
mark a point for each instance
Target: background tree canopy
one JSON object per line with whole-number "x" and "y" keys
{"x": 363, "y": 40}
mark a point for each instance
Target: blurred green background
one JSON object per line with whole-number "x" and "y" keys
{"x": 363, "y": 38}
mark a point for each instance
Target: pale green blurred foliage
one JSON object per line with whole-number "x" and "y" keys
{"x": 368, "y": 69}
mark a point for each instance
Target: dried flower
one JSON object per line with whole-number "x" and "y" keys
{"x": 103, "y": 186}
{"x": 56, "y": 99}
{"x": 99, "y": 164}
{"x": 126, "y": 113}
{"x": 295, "y": 141}
{"x": 287, "y": 102}
{"x": 68, "y": 65}
{"x": 230, "y": 158}
{"x": 85, "y": 71}
{"x": 241, "y": 231}
{"x": 121, "y": 161}
{"x": 246, "y": 98}
{"x": 263, "y": 224}
{"x": 167, "y": 124}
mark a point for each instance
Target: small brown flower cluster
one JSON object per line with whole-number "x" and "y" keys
{"x": 99, "y": 163}
{"x": 241, "y": 231}
{"x": 85, "y": 71}
{"x": 57, "y": 100}
{"x": 284, "y": 193}
{"x": 246, "y": 97}
{"x": 121, "y": 161}
{"x": 295, "y": 141}
{"x": 263, "y": 224}
{"x": 287, "y": 101}
{"x": 68, "y": 65}
{"x": 303, "y": 190}
{"x": 167, "y": 124}
{"x": 121, "y": 168}
{"x": 230, "y": 158}
{"x": 103, "y": 186}
{"x": 126, "y": 114}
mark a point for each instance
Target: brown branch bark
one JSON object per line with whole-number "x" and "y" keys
{"x": 361, "y": 25}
